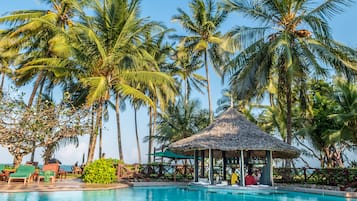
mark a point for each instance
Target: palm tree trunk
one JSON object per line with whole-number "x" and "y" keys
{"x": 38, "y": 104}
{"x": 288, "y": 116}
{"x": 186, "y": 91}
{"x": 93, "y": 138}
{"x": 117, "y": 113}
{"x": 208, "y": 89}
{"x": 34, "y": 90}
{"x": 288, "y": 113}
{"x": 137, "y": 134}
{"x": 2, "y": 83}
{"x": 151, "y": 126}
{"x": 100, "y": 141}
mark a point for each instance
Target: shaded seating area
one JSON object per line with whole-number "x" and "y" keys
{"x": 231, "y": 135}
{"x": 23, "y": 172}
{"x": 49, "y": 172}
{"x": 172, "y": 168}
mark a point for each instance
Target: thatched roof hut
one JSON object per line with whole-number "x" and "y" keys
{"x": 230, "y": 132}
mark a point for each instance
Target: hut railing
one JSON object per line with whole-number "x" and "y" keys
{"x": 321, "y": 176}
{"x": 167, "y": 172}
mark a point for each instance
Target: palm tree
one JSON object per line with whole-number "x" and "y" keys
{"x": 293, "y": 44}
{"x": 205, "y": 39}
{"x": 36, "y": 36}
{"x": 160, "y": 94}
{"x": 37, "y": 29}
{"x": 319, "y": 128}
{"x": 108, "y": 50}
{"x": 186, "y": 64}
{"x": 346, "y": 114}
{"x": 180, "y": 120}
{"x": 6, "y": 58}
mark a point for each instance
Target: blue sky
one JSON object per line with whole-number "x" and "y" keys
{"x": 343, "y": 27}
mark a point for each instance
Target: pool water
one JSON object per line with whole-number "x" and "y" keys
{"x": 168, "y": 194}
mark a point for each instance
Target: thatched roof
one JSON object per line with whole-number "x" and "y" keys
{"x": 231, "y": 132}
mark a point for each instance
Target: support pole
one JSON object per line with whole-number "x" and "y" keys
{"x": 224, "y": 165}
{"x": 211, "y": 179}
{"x": 270, "y": 162}
{"x": 202, "y": 163}
{"x": 195, "y": 155}
{"x": 242, "y": 182}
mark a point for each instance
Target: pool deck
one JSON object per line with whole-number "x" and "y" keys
{"x": 59, "y": 185}
{"x": 78, "y": 185}
{"x": 318, "y": 190}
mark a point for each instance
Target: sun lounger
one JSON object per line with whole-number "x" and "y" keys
{"x": 24, "y": 172}
{"x": 2, "y": 174}
{"x": 49, "y": 171}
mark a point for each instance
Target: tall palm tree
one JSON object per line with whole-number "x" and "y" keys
{"x": 293, "y": 43}
{"x": 108, "y": 50}
{"x": 36, "y": 38}
{"x": 345, "y": 97}
{"x": 160, "y": 94}
{"x": 180, "y": 120}
{"x": 186, "y": 64}
{"x": 6, "y": 58}
{"x": 205, "y": 39}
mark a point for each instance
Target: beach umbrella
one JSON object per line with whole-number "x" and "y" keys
{"x": 171, "y": 155}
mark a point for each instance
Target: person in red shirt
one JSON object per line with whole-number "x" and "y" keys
{"x": 249, "y": 179}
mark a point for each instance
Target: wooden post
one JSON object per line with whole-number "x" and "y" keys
{"x": 224, "y": 165}
{"x": 210, "y": 155}
{"x": 195, "y": 165}
{"x": 202, "y": 163}
{"x": 270, "y": 167}
{"x": 241, "y": 164}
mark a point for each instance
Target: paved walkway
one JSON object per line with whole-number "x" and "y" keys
{"x": 59, "y": 185}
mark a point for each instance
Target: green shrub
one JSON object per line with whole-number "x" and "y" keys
{"x": 102, "y": 171}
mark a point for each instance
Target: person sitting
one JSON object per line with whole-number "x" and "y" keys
{"x": 234, "y": 177}
{"x": 249, "y": 179}
{"x": 257, "y": 175}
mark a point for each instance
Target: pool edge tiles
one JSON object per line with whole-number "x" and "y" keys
{"x": 319, "y": 191}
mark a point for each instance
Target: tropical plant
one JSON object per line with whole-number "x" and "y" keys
{"x": 180, "y": 120}
{"x": 205, "y": 39}
{"x": 161, "y": 95}
{"x": 315, "y": 128}
{"x": 185, "y": 67}
{"x": 345, "y": 97}
{"x": 109, "y": 51}
{"x": 23, "y": 128}
{"x": 101, "y": 171}
{"x": 293, "y": 44}
{"x": 37, "y": 37}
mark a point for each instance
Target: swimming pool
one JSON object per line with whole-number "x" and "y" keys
{"x": 168, "y": 194}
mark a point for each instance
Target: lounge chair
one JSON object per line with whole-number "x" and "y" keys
{"x": 49, "y": 171}
{"x": 24, "y": 172}
{"x": 2, "y": 174}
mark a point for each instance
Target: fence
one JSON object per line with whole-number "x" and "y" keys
{"x": 322, "y": 176}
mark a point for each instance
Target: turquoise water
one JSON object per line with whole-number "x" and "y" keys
{"x": 168, "y": 194}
